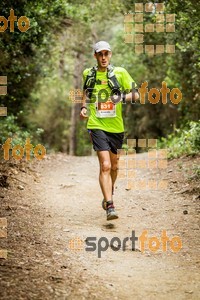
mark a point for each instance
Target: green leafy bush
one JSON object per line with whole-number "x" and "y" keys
{"x": 184, "y": 141}
{"x": 10, "y": 129}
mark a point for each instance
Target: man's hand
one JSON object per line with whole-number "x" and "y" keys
{"x": 130, "y": 97}
{"x": 83, "y": 113}
{"x": 116, "y": 97}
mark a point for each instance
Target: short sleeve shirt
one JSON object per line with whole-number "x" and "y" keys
{"x": 101, "y": 92}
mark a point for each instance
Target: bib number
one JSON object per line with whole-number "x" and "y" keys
{"x": 105, "y": 109}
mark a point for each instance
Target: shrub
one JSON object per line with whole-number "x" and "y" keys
{"x": 184, "y": 141}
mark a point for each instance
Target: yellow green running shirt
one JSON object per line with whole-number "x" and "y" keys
{"x": 109, "y": 124}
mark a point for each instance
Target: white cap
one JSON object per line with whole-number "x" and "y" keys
{"x": 102, "y": 45}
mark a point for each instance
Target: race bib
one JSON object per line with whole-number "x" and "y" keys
{"x": 105, "y": 109}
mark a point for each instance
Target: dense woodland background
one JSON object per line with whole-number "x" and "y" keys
{"x": 46, "y": 62}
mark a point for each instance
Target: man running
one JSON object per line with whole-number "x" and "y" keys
{"x": 105, "y": 88}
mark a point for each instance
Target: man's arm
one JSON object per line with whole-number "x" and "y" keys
{"x": 129, "y": 87}
{"x": 132, "y": 96}
{"x": 83, "y": 107}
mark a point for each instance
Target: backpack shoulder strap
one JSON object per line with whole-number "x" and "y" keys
{"x": 90, "y": 79}
{"x": 112, "y": 80}
{"x": 90, "y": 82}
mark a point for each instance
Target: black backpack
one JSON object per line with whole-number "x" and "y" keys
{"x": 91, "y": 80}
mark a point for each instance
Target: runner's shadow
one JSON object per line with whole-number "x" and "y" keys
{"x": 109, "y": 226}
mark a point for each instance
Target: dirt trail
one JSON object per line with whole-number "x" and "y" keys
{"x": 62, "y": 202}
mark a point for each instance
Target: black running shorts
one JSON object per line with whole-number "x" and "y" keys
{"x": 103, "y": 140}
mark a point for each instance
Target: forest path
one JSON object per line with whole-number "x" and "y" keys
{"x": 62, "y": 203}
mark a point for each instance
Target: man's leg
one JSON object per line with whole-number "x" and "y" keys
{"x": 113, "y": 173}
{"x": 105, "y": 179}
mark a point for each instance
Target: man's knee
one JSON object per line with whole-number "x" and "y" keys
{"x": 114, "y": 162}
{"x": 105, "y": 166}
{"x": 114, "y": 167}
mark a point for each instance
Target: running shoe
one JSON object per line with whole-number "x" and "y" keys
{"x": 104, "y": 206}
{"x": 111, "y": 213}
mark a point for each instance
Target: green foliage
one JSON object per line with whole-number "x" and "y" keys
{"x": 10, "y": 129}
{"x": 41, "y": 69}
{"x": 51, "y": 112}
{"x": 22, "y": 55}
{"x": 84, "y": 145}
{"x": 184, "y": 141}
{"x": 196, "y": 172}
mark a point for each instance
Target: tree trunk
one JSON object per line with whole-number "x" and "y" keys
{"x": 75, "y": 106}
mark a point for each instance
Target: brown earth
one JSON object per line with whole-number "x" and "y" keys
{"x": 57, "y": 200}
